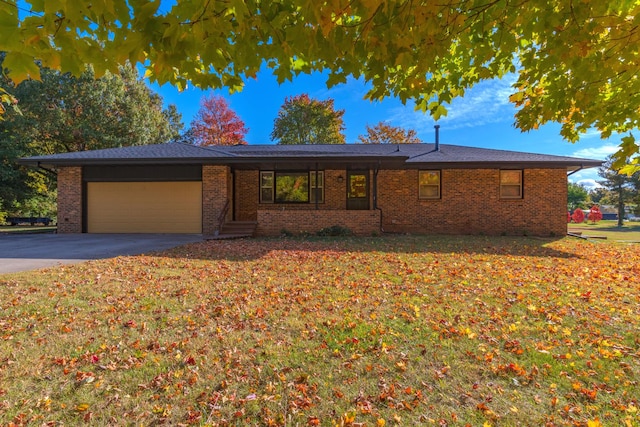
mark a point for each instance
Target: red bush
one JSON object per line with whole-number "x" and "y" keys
{"x": 578, "y": 216}
{"x": 595, "y": 215}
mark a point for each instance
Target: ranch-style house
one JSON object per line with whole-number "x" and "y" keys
{"x": 367, "y": 188}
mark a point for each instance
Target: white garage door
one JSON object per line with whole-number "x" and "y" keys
{"x": 144, "y": 207}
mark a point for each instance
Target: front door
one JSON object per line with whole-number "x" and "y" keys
{"x": 358, "y": 190}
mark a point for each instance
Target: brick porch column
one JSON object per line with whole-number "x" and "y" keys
{"x": 215, "y": 193}
{"x": 70, "y": 200}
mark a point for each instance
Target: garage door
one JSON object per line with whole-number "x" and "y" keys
{"x": 144, "y": 207}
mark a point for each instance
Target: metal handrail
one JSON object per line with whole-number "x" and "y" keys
{"x": 223, "y": 214}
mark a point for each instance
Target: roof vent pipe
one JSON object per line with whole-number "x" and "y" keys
{"x": 437, "y": 128}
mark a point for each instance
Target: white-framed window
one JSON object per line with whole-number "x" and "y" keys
{"x": 291, "y": 187}
{"x": 511, "y": 184}
{"x": 429, "y": 184}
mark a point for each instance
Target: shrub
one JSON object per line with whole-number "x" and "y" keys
{"x": 285, "y": 233}
{"x": 335, "y": 230}
{"x": 595, "y": 214}
{"x": 578, "y": 216}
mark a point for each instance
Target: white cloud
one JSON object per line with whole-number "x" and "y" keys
{"x": 590, "y": 134}
{"x": 589, "y": 184}
{"x": 599, "y": 153}
{"x": 586, "y": 176}
{"x": 485, "y": 103}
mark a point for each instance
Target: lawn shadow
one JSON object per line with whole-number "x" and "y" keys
{"x": 255, "y": 248}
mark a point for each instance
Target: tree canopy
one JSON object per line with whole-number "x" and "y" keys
{"x": 384, "y": 133}
{"x": 577, "y": 196}
{"x": 216, "y": 123}
{"x": 63, "y": 113}
{"x": 576, "y": 62}
{"x": 304, "y": 120}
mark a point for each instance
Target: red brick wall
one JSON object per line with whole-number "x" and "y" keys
{"x": 215, "y": 192}
{"x": 471, "y": 203}
{"x": 274, "y": 222}
{"x": 70, "y": 200}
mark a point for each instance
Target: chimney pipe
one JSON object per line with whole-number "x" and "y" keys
{"x": 437, "y": 128}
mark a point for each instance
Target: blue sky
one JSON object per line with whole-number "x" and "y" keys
{"x": 483, "y": 118}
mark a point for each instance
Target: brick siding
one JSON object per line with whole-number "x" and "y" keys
{"x": 70, "y": 200}
{"x": 215, "y": 192}
{"x": 471, "y": 203}
{"x": 274, "y": 222}
{"x": 247, "y": 196}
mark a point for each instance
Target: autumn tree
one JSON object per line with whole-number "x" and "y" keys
{"x": 619, "y": 186}
{"x": 595, "y": 214}
{"x": 384, "y": 133}
{"x": 216, "y": 123}
{"x": 576, "y": 65}
{"x": 304, "y": 120}
{"x": 63, "y": 113}
{"x": 578, "y": 216}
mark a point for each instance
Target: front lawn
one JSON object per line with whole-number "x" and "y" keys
{"x": 396, "y": 330}
{"x": 629, "y": 232}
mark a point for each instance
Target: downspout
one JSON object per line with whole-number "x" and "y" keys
{"x": 316, "y": 187}
{"x": 375, "y": 194}
{"x": 233, "y": 194}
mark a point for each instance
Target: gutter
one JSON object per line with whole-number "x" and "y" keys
{"x": 48, "y": 171}
{"x": 375, "y": 194}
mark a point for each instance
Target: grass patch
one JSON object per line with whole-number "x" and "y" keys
{"x": 629, "y": 232}
{"x": 322, "y": 331}
{"x": 26, "y": 229}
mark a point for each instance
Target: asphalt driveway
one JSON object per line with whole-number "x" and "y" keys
{"x": 22, "y": 252}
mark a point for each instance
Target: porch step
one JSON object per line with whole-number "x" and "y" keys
{"x": 237, "y": 230}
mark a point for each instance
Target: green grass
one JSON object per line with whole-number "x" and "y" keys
{"x": 6, "y": 229}
{"x": 629, "y": 232}
{"x": 397, "y": 330}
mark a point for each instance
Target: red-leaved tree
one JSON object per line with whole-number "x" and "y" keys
{"x": 595, "y": 214}
{"x": 217, "y": 124}
{"x": 578, "y": 216}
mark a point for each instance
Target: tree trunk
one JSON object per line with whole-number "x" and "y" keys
{"x": 620, "y": 206}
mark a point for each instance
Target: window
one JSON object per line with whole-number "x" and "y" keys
{"x": 429, "y": 184}
{"x": 319, "y": 186}
{"x": 266, "y": 187}
{"x": 511, "y": 184}
{"x": 290, "y": 187}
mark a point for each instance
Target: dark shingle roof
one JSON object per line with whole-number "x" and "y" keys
{"x": 416, "y": 155}
{"x": 148, "y": 152}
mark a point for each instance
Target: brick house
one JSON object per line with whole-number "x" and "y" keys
{"x": 405, "y": 188}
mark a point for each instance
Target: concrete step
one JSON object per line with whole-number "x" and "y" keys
{"x": 246, "y": 228}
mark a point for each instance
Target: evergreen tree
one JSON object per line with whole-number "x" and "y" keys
{"x": 619, "y": 185}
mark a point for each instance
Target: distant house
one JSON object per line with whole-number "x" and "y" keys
{"x": 406, "y": 188}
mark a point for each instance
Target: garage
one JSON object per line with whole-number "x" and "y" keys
{"x": 144, "y": 207}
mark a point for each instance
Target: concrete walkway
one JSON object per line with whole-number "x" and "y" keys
{"x": 23, "y": 252}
